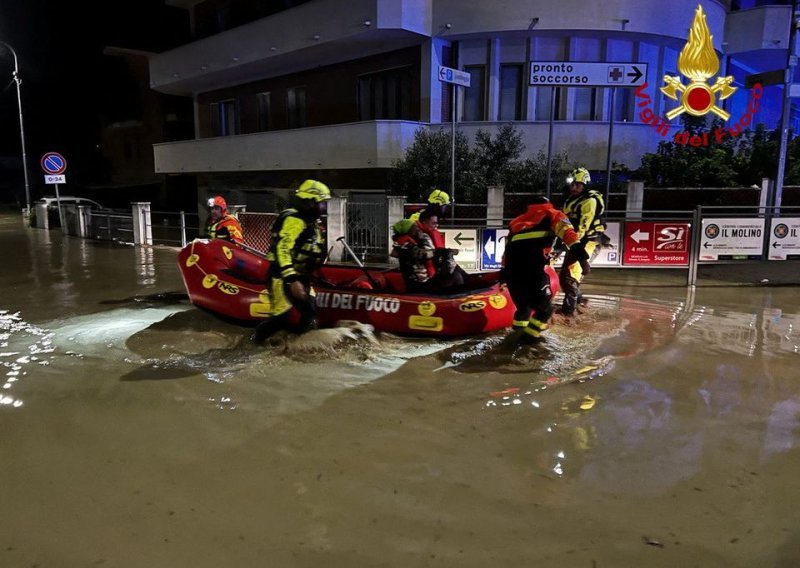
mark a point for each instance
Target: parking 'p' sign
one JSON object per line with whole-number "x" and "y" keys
{"x": 54, "y": 163}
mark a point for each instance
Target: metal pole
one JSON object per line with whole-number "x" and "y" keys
{"x": 791, "y": 62}
{"x": 18, "y": 81}
{"x": 610, "y": 143}
{"x": 694, "y": 249}
{"x": 183, "y": 229}
{"x": 550, "y": 139}
{"x": 453, "y": 150}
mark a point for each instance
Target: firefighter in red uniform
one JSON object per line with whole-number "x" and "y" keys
{"x": 529, "y": 242}
{"x": 220, "y": 224}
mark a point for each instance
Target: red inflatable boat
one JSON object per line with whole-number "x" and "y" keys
{"x": 228, "y": 280}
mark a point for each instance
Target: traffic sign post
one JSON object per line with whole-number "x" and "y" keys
{"x": 455, "y": 77}
{"x": 656, "y": 243}
{"x": 54, "y": 166}
{"x": 585, "y": 74}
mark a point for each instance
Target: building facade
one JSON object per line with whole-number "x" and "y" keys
{"x": 336, "y": 89}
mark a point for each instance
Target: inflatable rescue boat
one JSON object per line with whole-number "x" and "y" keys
{"x": 229, "y": 281}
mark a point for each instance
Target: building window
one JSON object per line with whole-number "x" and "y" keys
{"x": 385, "y": 95}
{"x": 511, "y": 92}
{"x": 224, "y": 117}
{"x": 475, "y": 94}
{"x": 585, "y": 104}
{"x": 296, "y": 107}
{"x": 623, "y": 105}
{"x": 543, "y": 99}
{"x": 264, "y": 112}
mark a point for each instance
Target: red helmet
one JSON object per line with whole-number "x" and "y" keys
{"x": 218, "y": 201}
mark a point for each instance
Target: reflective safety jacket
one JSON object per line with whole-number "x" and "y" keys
{"x": 297, "y": 246}
{"x": 585, "y": 211}
{"x": 226, "y": 228}
{"x": 531, "y": 235}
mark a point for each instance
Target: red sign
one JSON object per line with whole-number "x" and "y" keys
{"x": 656, "y": 243}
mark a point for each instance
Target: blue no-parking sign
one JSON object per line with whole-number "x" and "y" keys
{"x": 493, "y": 245}
{"x": 54, "y": 163}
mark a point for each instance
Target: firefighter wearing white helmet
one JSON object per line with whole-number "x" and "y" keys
{"x": 296, "y": 249}
{"x": 584, "y": 207}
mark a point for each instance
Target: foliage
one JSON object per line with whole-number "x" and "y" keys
{"x": 492, "y": 160}
{"x": 735, "y": 162}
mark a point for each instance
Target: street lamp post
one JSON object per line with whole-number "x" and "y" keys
{"x": 18, "y": 81}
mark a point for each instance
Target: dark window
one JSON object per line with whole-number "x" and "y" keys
{"x": 543, "y": 99}
{"x": 385, "y": 95}
{"x": 224, "y": 117}
{"x": 475, "y": 94}
{"x": 296, "y": 107}
{"x": 511, "y": 92}
{"x": 264, "y": 112}
{"x": 585, "y": 104}
{"x": 623, "y": 105}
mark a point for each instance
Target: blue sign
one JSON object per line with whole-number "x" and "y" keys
{"x": 493, "y": 246}
{"x": 54, "y": 163}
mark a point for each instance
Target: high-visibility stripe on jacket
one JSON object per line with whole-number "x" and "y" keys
{"x": 585, "y": 211}
{"x": 539, "y": 225}
{"x": 297, "y": 245}
{"x": 226, "y": 228}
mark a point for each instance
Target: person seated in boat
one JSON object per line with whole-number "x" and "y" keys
{"x": 528, "y": 245}
{"x": 297, "y": 248}
{"x": 448, "y": 273}
{"x": 414, "y": 249}
{"x": 438, "y": 201}
{"x": 222, "y": 225}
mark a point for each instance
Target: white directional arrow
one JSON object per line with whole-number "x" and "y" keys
{"x": 639, "y": 236}
{"x": 489, "y": 247}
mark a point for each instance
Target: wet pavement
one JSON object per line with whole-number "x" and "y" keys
{"x": 657, "y": 428}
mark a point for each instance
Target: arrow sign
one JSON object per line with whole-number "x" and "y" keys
{"x": 488, "y": 248}
{"x": 459, "y": 238}
{"x": 775, "y": 245}
{"x": 449, "y": 75}
{"x": 640, "y": 236}
{"x": 637, "y": 74}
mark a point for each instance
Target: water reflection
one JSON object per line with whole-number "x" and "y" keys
{"x": 145, "y": 266}
{"x": 22, "y": 346}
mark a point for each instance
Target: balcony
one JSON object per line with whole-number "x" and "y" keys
{"x": 307, "y": 36}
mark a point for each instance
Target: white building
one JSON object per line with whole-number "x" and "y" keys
{"x": 286, "y": 88}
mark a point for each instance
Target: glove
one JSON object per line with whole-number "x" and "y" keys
{"x": 578, "y": 250}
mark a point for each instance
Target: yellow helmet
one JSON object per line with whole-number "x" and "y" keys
{"x": 581, "y": 175}
{"x": 438, "y": 197}
{"x": 313, "y": 189}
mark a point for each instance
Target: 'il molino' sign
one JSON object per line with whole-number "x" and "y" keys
{"x": 698, "y": 62}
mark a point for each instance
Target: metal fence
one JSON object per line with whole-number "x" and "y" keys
{"x": 368, "y": 229}
{"x": 174, "y": 228}
{"x": 110, "y": 226}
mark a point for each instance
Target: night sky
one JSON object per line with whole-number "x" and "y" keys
{"x": 59, "y": 45}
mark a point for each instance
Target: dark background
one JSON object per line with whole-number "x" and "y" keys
{"x": 69, "y": 90}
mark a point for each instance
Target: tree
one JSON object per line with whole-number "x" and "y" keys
{"x": 426, "y": 165}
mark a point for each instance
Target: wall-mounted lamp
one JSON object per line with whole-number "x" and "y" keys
{"x": 316, "y": 37}
{"x": 625, "y": 22}
{"x": 533, "y": 23}
{"x": 273, "y": 48}
{"x": 235, "y": 58}
{"x": 447, "y": 26}
{"x": 366, "y": 23}
{"x": 203, "y": 67}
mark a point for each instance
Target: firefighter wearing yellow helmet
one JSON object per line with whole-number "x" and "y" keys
{"x": 584, "y": 207}
{"x": 296, "y": 249}
{"x": 438, "y": 201}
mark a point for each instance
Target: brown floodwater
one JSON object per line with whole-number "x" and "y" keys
{"x": 658, "y": 428}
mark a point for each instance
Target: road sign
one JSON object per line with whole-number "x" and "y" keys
{"x": 466, "y": 242}
{"x": 584, "y": 74}
{"x": 651, "y": 243}
{"x": 54, "y": 163}
{"x": 493, "y": 246}
{"x": 784, "y": 240}
{"x": 448, "y": 75}
{"x": 51, "y": 179}
{"x": 726, "y": 239}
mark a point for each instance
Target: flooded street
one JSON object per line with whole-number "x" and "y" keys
{"x": 659, "y": 428}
